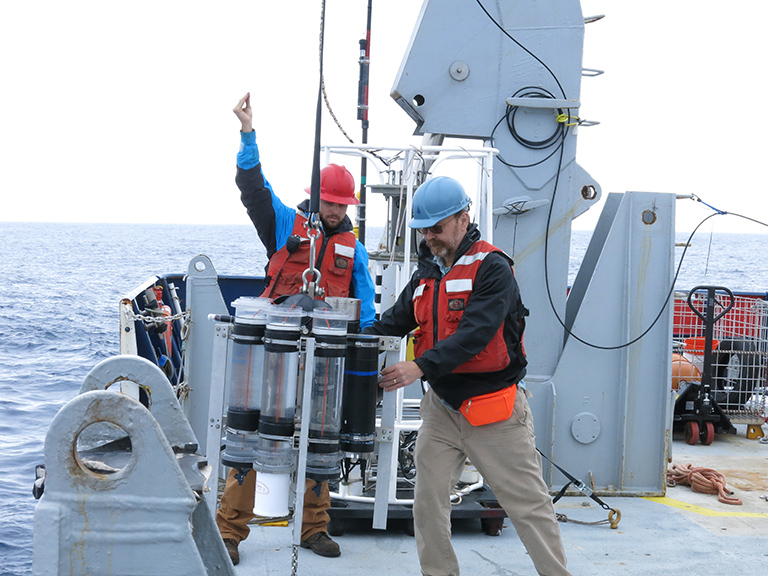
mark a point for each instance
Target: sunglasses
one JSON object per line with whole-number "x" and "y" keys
{"x": 436, "y": 229}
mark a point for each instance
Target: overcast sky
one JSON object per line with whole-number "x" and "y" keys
{"x": 122, "y": 112}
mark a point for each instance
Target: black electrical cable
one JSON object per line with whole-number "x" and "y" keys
{"x": 561, "y": 131}
{"x": 671, "y": 289}
{"x": 666, "y": 300}
{"x": 655, "y": 320}
{"x": 531, "y": 54}
{"x": 559, "y": 136}
{"x": 674, "y": 280}
{"x": 314, "y": 196}
{"x": 561, "y": 149}
{"x": 501, "y": 159}
{"x": 533, "y": 92}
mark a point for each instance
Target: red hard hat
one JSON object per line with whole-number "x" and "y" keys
{"x": 337, "y": 185}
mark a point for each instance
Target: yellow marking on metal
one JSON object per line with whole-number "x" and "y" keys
{"x": 703, "y": 511}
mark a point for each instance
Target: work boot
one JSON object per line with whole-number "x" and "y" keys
{"x": 231, "y": 547}
{"x": 321, "y": 544}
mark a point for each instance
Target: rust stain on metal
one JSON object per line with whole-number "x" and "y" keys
{"x": 750, "y": 481}
{"x": 588, "y": 192}
{"x": 81, "y": 474}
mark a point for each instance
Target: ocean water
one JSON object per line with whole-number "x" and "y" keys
{"x": 60, "y": 285}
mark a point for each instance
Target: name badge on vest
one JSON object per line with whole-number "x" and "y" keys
{"x": 343, "y": 255}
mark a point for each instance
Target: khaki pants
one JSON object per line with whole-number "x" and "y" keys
{"x": 505, "y": 454}
{"x": 236, "y": 508}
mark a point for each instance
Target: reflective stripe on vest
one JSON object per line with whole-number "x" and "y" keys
{"x": 455, "y": 288}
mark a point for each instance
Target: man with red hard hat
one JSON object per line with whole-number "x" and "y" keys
{"x": 343, "y": 265}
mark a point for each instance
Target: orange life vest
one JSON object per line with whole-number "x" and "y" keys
{"x": 455, "y": 289}
{"x": 284, "y": 273}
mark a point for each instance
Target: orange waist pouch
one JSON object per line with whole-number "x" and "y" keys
{"x": 489, "y": 408}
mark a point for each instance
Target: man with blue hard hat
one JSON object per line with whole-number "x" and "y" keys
{"x": 464, "y": 304}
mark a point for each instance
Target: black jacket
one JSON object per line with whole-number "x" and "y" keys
{"x": 495, "y": 299}
{"x": 256, "y": 196}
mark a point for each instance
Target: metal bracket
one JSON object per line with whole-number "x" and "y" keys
{"x": 385, "y": 434}
{"x": 543, "y": 103}
{"x": 389, "y": 343}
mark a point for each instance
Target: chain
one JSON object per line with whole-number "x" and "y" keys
{"x": 295, "y": 560}
{"x": 182, "y": 389}
{"x": 157, "y": 319}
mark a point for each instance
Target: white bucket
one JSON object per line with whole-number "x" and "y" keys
{"x": 469, "y": 475}
{"x": 272, "y": 491}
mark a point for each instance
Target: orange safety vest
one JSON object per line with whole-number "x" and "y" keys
{"x": 285, "y": 269}
{"x": 455, "y": 289}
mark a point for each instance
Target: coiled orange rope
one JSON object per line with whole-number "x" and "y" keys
{"x": 704, "y": 480}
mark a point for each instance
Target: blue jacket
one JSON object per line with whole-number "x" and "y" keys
{"x": 274, "y": 222}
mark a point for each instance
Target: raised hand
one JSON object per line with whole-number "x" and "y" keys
{"x": 244, "y": 113}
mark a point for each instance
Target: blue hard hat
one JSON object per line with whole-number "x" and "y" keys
{"x": 437, "y": 198}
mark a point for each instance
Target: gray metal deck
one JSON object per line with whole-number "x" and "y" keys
{"x": 682, "y": 530}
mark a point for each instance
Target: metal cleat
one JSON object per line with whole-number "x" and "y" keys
{"x": 130, "y": 503}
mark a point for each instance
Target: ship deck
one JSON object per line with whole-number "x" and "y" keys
{"x": 683, "y": 530}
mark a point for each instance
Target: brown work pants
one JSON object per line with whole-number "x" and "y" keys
{"x": 505, "y": 454}
{"x": 236, "y": 508}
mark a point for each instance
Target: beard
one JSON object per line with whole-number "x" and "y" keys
{"x": 330, "y": 224}
{"x": 446, "y": 246}
{"x": 438, "y": 249}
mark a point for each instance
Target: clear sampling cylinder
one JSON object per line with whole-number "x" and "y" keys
{"x": 244, "y": 376}
{"x": 274, "y": 454}
{"x": 323, "y": 417}
{"x": 352, "y": 308}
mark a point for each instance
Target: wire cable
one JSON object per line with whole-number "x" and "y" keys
{"x": 655, "y": 320}
{"x": 559, "y": 137}
{"x": 332, "y": 113}
{"x": 314, "y": 196}
{"x": 744, "y": 217}
{"x": 725, "y": 213}
{"x": 669, "y": 294}
{"x": 327, "y": 101}
{"x": 531, "y": 54}
{"x": 533, "y": 92}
